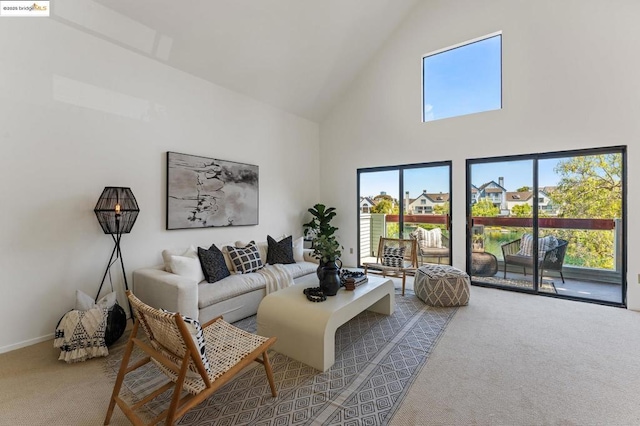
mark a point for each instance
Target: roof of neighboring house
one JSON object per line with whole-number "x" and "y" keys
{"x": 368, "y": 200}
{"x": 548, "y": 189}
{"x": 519, "y": 196}
{"x": 440, "y": 197}
{"x": 436, "y": 198}
{"x": 493, "y": 182}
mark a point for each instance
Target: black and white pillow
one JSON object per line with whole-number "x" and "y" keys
{"x": 280, "y": 251}
{"x": 195, "y": 330}
{"x": 393, "y": 256}
{"x": 213, "y": 264}
{"x": 245, "y": 259}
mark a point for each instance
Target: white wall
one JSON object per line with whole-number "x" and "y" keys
{"x": 570, "y": 81}
{"x": 79, "y": 112}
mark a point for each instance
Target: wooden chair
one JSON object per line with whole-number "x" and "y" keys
{"x": 408, "y": 264}
{"x": 552, "y": 260}
{"x": 173, "y": 347}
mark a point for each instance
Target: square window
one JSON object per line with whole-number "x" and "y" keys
{"x": 463, "y": 79}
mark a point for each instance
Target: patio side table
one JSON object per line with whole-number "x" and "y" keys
{"x": 483, "y": 264}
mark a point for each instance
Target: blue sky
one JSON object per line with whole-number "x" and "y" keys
{"x": 436, "y": 179}
{"x": 463, "y": 80}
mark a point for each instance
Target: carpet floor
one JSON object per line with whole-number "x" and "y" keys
{"x": 377, "y": 359}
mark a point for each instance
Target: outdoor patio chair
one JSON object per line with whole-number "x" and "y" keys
{"x": 551, "y": 261}
{"x": 195, "y": 359}
{"x": 396, "y": 257}
{"x": 429, "y": 247}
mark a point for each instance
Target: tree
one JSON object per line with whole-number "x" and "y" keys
{"x": 385, "y": 206}
{"x": 524, "y": 189}
{"x": 590, "y": 187}
{"x": 441, "y": 208}
{"x": 521, "y": 210}
{"x": 485, "y": 208}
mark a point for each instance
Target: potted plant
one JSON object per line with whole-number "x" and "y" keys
{"x": 325, "y": 247}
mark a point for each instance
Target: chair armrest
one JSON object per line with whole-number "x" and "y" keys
{"x": 164, "y": 290}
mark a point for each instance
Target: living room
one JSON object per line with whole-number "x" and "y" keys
{"x": 90, "y": 98}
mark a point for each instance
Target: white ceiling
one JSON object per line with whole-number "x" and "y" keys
{"x": 297, "y": 55}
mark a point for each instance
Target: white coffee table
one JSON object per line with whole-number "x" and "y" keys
{"x": 306, "y": 330}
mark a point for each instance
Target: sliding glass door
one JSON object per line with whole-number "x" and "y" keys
{"x": 421, "y": 212}
{"x": 567, "y": 207}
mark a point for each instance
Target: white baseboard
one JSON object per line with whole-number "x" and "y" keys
{"x": 24, "y": 343}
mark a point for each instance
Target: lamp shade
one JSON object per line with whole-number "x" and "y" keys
{"x": 117, "y": 210}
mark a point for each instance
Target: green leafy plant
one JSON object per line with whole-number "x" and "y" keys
{"x": 325, "y": 246}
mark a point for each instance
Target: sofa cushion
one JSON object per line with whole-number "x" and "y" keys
{"x": 187, "y": 267}
{"x": 298, "y": 249}
{"x": 280, "y": 252}
{"x": 299, "y": 269}
{"x": 263, "y": 248}
{"x": 213, "y": 264}
{"x": 229, "y": 287}
{"x": 245, "y": 259}
{"x": 166, "y": 255}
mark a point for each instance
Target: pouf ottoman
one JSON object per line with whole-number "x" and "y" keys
{"x": 442, "y": 285}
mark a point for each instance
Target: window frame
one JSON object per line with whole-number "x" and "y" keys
{"x": 452, "y": 47}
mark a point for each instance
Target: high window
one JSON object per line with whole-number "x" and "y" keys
{"x": 463, "y": 79}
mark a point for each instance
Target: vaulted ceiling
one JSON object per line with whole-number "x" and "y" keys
{"x": 297, "y": 55}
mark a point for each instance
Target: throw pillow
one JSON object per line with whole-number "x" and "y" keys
{"x": 213, "y": 264}
{"x": 245, "y": 259}
{"x": 166, "y": 255}
{"x": 84, "y": 302}
{"x": 195, "y": 329}
{"x": 298, "y": 250}
{"x": 280, "y": 251}
{"x": 393, "y": 256}
{"x": 428, "y": 239}
{"x": 526, "y": 245}
{"x": 187, "y": 267}
{"x": 544, "y": 244}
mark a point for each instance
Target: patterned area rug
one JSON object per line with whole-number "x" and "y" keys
{"x": 547, "y": 285}
{"x": 377, "y": 359}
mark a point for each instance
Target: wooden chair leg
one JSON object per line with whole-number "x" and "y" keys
{"x": 267, "y": 369}
{"x": 404, "y": 278}
{"x": 121, "y": 373}
{"x": 562, "y": 276}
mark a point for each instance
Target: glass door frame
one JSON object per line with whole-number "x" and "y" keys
{"x": 619, "y": 149}
{"x": 401, "y": 213}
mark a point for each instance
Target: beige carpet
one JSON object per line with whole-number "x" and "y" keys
{"x": 506, "y": 359}
{"x": 517, "y": 359}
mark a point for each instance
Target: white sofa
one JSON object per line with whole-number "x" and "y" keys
{"x": 234, "y": 297}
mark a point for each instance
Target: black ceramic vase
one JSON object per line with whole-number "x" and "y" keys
{"x": 329, "y": 276}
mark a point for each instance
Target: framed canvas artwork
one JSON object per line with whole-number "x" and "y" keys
{"x": 205, "y": 192}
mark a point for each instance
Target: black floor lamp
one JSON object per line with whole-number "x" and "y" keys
{"x": 117, "y": 211}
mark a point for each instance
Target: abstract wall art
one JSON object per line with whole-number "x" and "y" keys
{"x": 205, "y": 192}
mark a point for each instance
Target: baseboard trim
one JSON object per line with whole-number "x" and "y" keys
{"x": 25, "y": 343}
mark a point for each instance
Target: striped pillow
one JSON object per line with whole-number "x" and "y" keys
{"x": 544, "y": 244}
{"x": 245, "y": 259}
{"x": 393, "y": 256}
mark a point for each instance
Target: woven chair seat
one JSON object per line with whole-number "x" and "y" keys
{"x": 226, "y": 346}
